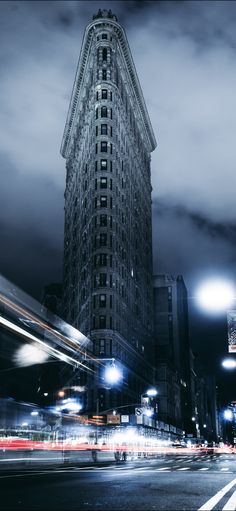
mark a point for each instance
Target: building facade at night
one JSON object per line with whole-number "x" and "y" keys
{"x": 173, "y": 374}
{"x": 107, "y": 141}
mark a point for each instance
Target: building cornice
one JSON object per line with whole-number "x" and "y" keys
{"x": 76, "y": 91}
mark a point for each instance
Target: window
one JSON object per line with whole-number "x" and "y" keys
{"x": 104, "y": 36}
{"x": 102, "y": 300}
{"x": 96, "y": 166}
{"x": 103, "y": 164}
{"x": 103, "y": 259}
{"x": 104, "y": 93}
{"x": 104, "y": 111}
{"x": 102, "y": 324}
{"x": 97, "y": 95}
{"x": 103, "y": 220}
{"x": 103, "y": 201}
{"x": 103, "y": 129}
{"x": 102, "y": 279}
{"x": 104, "y": 54}
{"x": 110, "y": 166}
{"x": 96, "y": 113}
{"x": 96, "y": 148}
{"x": 111, "y": 148}
{"x": 103, "y": 182}
{"x": 101, "y": 345}
{"x": 104, "y": 74}
{"x": 103, "y": 147}
{"x": 111, "y": 113}
{"x": 96, "y": 131}
{"x": 111, "y": 95}
{"x": 103, "y": 239}
{"x": 111, "y": 131}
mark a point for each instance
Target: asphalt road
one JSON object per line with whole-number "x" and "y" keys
{"x": 181, "y": 482}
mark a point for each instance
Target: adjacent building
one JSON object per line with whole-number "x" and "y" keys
{"x": 107, "y": 142}
{"x": 172, "y": 350}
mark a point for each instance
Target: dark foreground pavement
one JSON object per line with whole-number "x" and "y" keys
{"x": 171, "y": 483}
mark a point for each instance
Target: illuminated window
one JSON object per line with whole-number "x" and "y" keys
{"x": 103, "y": 182}
{"x": 103, "y": 201}
{"x": 102, "y": 300}
{"x": 103, "y": 164}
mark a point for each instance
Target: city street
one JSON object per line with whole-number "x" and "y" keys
{"x": 173, "y": 482}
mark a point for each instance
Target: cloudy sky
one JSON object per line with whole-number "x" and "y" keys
{"x": 184, "y": 53}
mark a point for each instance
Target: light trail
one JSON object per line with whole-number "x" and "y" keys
{"x": 49, "y": 349}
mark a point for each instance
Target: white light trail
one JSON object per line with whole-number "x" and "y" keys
{"x": 49, "y": 349}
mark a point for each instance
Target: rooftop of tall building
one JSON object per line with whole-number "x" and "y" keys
{"x": 104, "y": 13}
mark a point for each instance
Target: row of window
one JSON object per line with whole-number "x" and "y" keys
{"x": 104, "y": 147}
{"x": 103, "y": 74}
{"x": 103, "y": 322}
{"x": 103, "y": 36}
{"x": 103, "y": 165}
{"x": 103, "y": 94}
{"x": 102, "y": 240}
{"x": 102, "y": 221}
{"x": 103, "y": 183}
{"x": 102, "y": 202}
{"x": 103, "y": 112}
{"x": 104, "y": 130}
{"x": 102, "y": 301}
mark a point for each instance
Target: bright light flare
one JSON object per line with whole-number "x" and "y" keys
{"x": 215, "y": 295}
{"x": 228, "y": 415}
{"x": 151, "y": 392}
{"x": 29, "y": 354}
{"x": 229, "y": 363}
{"x": 112, "y": 374}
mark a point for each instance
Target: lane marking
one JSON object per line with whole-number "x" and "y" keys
{"x": 203, "y": 468}
{"x": 184, "y": 468}
{"x": 231, "y": 504}
{"x": 163, "y": 468}
{"x": 208, "y": 506}
{"x": 224, "y": 469}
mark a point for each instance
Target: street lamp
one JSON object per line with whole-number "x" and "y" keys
{"x": 229, "y": 363}
{"x": 215, "y": 295}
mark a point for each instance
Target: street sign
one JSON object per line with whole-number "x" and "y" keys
{"x": 124, "y": 418}
{"x": 139, "y": 411}
{"x": 113, "y": 419}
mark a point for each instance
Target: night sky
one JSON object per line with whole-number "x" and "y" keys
{"x": 184, "y": 54}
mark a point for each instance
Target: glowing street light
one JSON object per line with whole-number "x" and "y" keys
{"x": 152, "y": 392}
{"x": 229, "y": 363}
{"x": 215, "y": 295}
{"x": 228, "y": 415}
{"x": 112, "y": 374}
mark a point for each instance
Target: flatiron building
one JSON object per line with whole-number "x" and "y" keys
{"x": 107, "y": 143}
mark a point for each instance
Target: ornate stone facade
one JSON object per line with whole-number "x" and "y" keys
{"x": 107, "y": 143}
